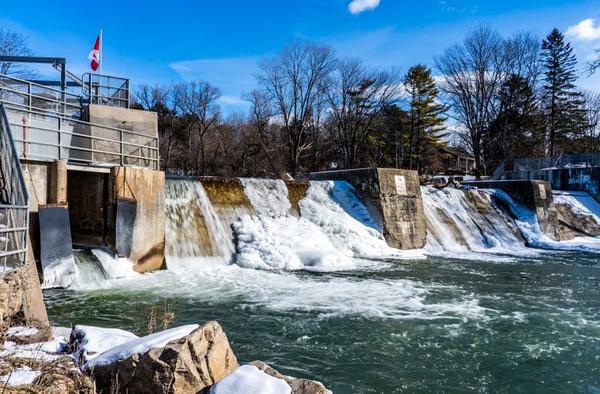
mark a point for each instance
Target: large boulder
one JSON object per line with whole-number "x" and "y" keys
{"x": 299, "y": 386}
{"x": 189, "y": 364}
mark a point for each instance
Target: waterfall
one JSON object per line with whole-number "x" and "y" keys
{"x": 460, "y": 221}
{"x": 193, "y": 228}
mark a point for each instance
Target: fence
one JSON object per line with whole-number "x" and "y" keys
{"x": 14, "y": 210}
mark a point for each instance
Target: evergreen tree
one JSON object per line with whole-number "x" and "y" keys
{"x": 562, "y": 102}
{"x": 426, "y": 116}
{"x": 517, "y": 131}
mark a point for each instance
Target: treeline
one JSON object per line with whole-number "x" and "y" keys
{"x": 496, "y": 97}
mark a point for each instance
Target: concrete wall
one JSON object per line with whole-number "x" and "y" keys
{"x": 142, "y": 122}
{"x": 393, "y": 197}
{"x": 147, "y": 188}
{"x": 535, "y": 195}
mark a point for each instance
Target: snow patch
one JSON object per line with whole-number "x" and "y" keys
{"x": 20, "y": 376}
{"x": 139, "y": 345}
{"x": 249, "y": 379}
{"x": 91, "y": 342}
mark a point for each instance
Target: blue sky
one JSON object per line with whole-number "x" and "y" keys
{"x": 221, "y": 41}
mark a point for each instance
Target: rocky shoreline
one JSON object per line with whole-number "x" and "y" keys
{"x": 38, "y": 358}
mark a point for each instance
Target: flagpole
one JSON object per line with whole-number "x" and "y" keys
{"x": 101, "y": 50}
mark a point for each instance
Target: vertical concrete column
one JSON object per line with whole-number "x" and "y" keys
{"x": 57, "y": 190}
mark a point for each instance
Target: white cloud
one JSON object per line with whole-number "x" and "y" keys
{"x": 586, "y": 30}
{"x": 358, "y": 6}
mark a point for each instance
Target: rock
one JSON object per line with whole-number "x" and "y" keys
{"x": 299, "y": 386}
{"x": 190, "y": 364}
{"x": 11, "y": 296}
{"x": 572, "y": 224}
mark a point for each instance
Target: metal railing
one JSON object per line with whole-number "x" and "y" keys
{"x": 14, "y": 209}
{"x": 39, "y": 97}
{"x": 521, "y": 166}
{"x": 47, "y": 136}
{"x": 106, "y": 90}
{"x": 46, "y": 127}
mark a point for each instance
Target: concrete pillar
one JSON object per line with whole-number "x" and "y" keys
{"x": 147, "y": 189}
{"x": 34, "y": 309}
{"x": 57, "y": 190}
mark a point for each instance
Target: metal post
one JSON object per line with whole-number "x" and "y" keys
{"x": 121, "y": 147}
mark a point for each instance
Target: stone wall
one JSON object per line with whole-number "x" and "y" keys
{"x": 393, "y": 197}
{"x": 535, "y": 195}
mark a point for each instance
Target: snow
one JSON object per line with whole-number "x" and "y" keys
{"x": 93, "y": 341}
{"x": 139, "y": 345}
{"x": 247, "y": 379}
{"x": 20, "y": 376}
{"x": 21, "y": 331}
{"x": 35, "y": 351}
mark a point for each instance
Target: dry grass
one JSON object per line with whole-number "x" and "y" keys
{"x": 159, "y": 320}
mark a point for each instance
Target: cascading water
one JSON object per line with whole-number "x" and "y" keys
{"x": 193, "y": 227}
{"x": 462, "y": 221}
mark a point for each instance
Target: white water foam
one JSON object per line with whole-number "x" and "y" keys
{"x": 287, "y": 291}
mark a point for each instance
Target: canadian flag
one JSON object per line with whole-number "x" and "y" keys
{"x": 94, "y": 55}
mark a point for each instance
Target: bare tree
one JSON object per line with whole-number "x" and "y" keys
{"x": 14, "y": 44}
{"x": 152, "y": 97}
{"x": 261, "y": 113}
{"x": 356, "y": 97}
{"x": 197, "y": 103}
{"x": 472, "y": 75}
{"x": 293, "y": 83}
{"x": 591, "y": 138}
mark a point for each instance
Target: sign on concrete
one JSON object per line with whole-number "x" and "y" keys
{"x": 542, "y": 189}
{"x": 125, "y": 223}
{"x": 400, "y": 185}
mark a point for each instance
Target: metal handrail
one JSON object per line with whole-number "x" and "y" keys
{"x": 16, "y": 209}
{"x": 147, "y": 153}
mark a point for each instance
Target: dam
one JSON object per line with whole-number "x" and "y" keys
{"x": 364, "y": 279}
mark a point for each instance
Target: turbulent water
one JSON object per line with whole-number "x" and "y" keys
{"x": 321, "y": 295}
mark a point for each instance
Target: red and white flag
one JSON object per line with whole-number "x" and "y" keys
{"x": 94, "y": 55}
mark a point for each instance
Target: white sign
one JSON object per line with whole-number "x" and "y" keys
{"x": 400, "y": 185}
{"x": 542, "y": 190}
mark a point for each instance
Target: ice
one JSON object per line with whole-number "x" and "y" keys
{"x": 20, "y": 376}
{"x": 247, "y": 379}
{"x": 61, "y": 273}
{"x": 139, "y": 345}
{"x": 269, "y": 197}
{"x": 91, "y": 341}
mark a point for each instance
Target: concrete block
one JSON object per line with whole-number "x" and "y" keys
{"x": 393, "y": 197}
{"x": 57, "y": 189}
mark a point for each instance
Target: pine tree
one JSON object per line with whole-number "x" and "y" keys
{"x": 426, "y": 115}
{"x": 562, "y": 102}
{"x": 517, "y": 131}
